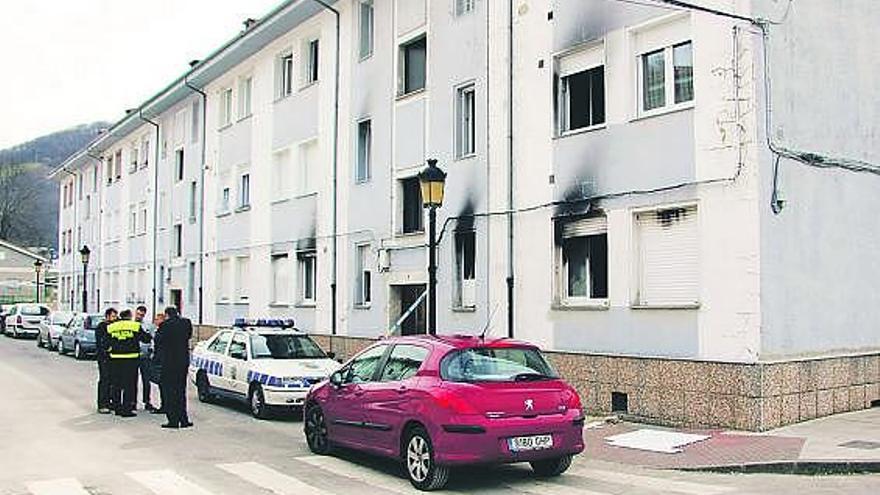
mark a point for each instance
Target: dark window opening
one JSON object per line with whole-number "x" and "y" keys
{"x": 414, "y": 60}
{"x": 585, "y": 98}
{"x": 413, "y": 217}
{"x": 619, "y": 402}
{"x": 586, "y": 262}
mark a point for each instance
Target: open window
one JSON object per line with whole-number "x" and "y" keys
{"x": 582, "y": 260}
{"x": 465, "y": 269}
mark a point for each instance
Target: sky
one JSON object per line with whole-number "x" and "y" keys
{"x": 70, "y": 62}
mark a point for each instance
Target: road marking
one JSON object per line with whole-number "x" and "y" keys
{"x": 63, "y": 486}
{"x": 538, "y": 487}
{"x": 360, "y": 473}
{"x": 650, "y": 482}
{"x": 270, "y": 479}
{"x": 167, "y": 482}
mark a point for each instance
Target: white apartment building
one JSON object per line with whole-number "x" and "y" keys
{"x": 613, "y": 193}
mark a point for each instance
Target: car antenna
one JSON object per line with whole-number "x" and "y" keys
{"x": 489, "y": 321}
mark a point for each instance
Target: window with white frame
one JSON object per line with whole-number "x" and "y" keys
{"x": 364, "y": 148}
{"x": 224, "y": 276}
{"x": 281, "y": 279}
{"x": 132, "y": 220}
{"x": 142, "y": 227}
{"x": 412, "y": 213}
{"x": 242, "y": 278}
{"x": 284, "y": 78}
{"x": 244, "y": 191}
{"x": 412, "y": 65}
{"x": 145, "y": 152}
{"x": 117, "y": 162}
{"x": 464, "y": 6}
{"x": 465, "y": 269}
{"x": 191, "y": 281}
{"x": 581, "y": 99}
{"x": 307, "y": 167}
{"x": 664, "y": 65}
{"x": 582, "y": 259}
{"x": 245, "y": 91}
{"x": 196, "y": 118}
{"x": 307, "y": 276}
{"x": 81, "y": 186}
{"x": 225, "y": 107}
{"x": 178, "y": 165}
{"x": 133, "y": 159}
{"x": 312, "y": 58}
{"x": 224, "y": 205}
{"x": 282, "y": 169}
{"x": 88, "y": 209}
{"x": 365, "y": 30}
{"x": 363, "y": 275}
{"x": 465, "y": 114}
{"x": 668, "y": 257}
{"x": 178, "y": 240}
{"x": 193, "y": 200}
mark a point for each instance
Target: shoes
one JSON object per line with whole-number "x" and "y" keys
{"x": 104, "y": 410}
{"x": 156, "y": 410}
{"x": 149, "y": 407}
{"x": 169, "y": 425}
{"x": 126, "y": 414}
{"x": 186, "y": 424}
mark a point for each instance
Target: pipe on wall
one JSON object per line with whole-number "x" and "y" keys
{"x": 155, "y": 200}
{"x": 201, "y": 198}
{"x": 510, "y": 175}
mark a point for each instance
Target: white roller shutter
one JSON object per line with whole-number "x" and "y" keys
{"x": 668, "y": 257}
{"x": 584, "y": 227}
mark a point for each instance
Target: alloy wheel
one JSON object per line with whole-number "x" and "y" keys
{"x": 418, "y": 459}
{"x": 77, "y": 351}
{"x": 316, "y": 431}
{"x": 258, "y": 402}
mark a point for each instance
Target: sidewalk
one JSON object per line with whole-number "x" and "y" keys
{"x": 843, "y": 443}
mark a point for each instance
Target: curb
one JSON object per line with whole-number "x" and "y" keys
{"x": 809, "y": 467}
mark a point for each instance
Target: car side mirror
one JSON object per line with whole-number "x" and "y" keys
{"x": 331, "y": 355}
{"x": 336, "y": 379}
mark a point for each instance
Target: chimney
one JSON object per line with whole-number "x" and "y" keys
{"x": 249, "y": 23}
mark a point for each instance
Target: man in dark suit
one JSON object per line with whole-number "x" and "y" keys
{"x": 175, "y": 333}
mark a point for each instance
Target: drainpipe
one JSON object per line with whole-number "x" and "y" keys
{"x": 334, "y": 173}
{"x": 155, "y": 200}
{"x": 510, "y": 266}
{"x": 73, "y": 270}
{"x": 201, "y": 195}
{"x": 96, "y": 269}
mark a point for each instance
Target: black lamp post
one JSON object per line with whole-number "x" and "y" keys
{"x": 38, "y": 267}
{"x": 84, "y": 254}
{"x": 432, "y": 181}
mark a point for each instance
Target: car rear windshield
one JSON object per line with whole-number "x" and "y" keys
{"x": 34, "y": 310}
{"x": 285, "y": 347}
{"x": 92, "y": 321}
{"x": 62, "y": 318}
{"x": 492, "y": 364}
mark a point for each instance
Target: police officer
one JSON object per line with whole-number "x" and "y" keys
{"x": 102, "y": 351}
{"x": 125, "y": 337}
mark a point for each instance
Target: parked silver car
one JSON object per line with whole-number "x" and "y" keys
{"x": 51, "y": 328}
{"x": 79, "y": 336}
{"x": 24, "y": 319}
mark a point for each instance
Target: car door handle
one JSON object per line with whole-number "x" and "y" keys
{"x": 401, "y": 389}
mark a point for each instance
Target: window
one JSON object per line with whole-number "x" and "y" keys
{"x": 464, "y": 6}
{"x": 311, "y": 74}
{"x": 178, "y": 165}
{"x": 487, "y": 364}
{"x": 117, "y": 162}
{"x": 582, "y": 259}
{"x": 193, "y": 200}
{"x": 145, "y": 152}
{"x": 178, "y": 240}
{"x": 109, "y": 168}
{"x": 365, "y": 34}
{"x": 465, "y": 269}
{"x": 132, "y": 220}
{"x": 81, "y": 184}
{"x": 196, "y": 118}
{"x": 281, "y": 279}
{"x": 191, "y": 281}
{"x": 364, "y": 366}
{"x": 282, "y": 165}
{"x": 363, "y": 275}
{"x": 223, "y": 280}
{"x": 465, "y": 109}
{"x": 142, "y": 228}
{"x": 413, "y": 64}
{"x": 225, "y": 107}
{"x": 238, "y": 347}
{"x": 307, "y": 276}
{"x": 224, "y": 200}
{"x": 668, "y": 257}
{"x": 413, "y": 216}
{"x": 95, "y": 178}
{"x": 364, "y": 147}
{"x": 220, "y": 343}
{"x": 308, "y": 163}
{"x": 404, "y": 362}
{"x": 583, "y": 97}
{"x": 88, "y": 212}
{"x": 245, "y": 89}
{"x": 664, "y": 84}
{"x": 242, "y": 279}
{"x": 285, "y": 75}
{"x": 244, "y": 191}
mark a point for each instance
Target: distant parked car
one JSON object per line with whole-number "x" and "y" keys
{"x": 4, "y": 309}
{"x": 79, "y": 336}
{"x": 24, "y": 319}
{"x": 51, "y": 328}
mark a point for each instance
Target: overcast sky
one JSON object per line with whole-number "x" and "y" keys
{"x": 69, "y": 62}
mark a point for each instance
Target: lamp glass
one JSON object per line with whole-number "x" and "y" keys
{"x": 432, "y": 192}
{"x": 85, "y": 253}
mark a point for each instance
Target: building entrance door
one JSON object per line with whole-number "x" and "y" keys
{"x": 177, "y": 299}
{"x": 416, "y": 322}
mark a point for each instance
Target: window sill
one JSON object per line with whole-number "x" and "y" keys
{"x": 594, "y": 305}
{"x": 224, "y": 127}
{"x": 192, "y": 219}
{"x": 306, "y": 195}
{"x": 363, "y": 306}
{"x": 305, "y": 304}
{"x": 685, "y": 306}
{"x": 243, "y": 208}
{"x": 466, "y": 157}
{"x": 279, "y": 201}
{"x": 365, "y": 57}
{"x": 582, "y": 130}
{"x": 244, "y": 117}
{"x": 308, "y": 85}
{"x": 412, "y": 94}
{"x": 361, "y": 182}
{"x": 220, "y": 214}
{"x": 281, "y": 98}
{"x": 464, "y": 309}
{"x": 279, "y": 305}
{"x": 410, "y": 235}
{"x": 642, "y": 115}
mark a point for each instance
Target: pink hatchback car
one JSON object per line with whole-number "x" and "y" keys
{"x": 438, "y": 402}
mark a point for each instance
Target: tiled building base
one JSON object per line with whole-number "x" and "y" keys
{"x": 755, "y": 397}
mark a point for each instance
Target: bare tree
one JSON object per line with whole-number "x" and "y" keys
{"x": 20, "y": 188}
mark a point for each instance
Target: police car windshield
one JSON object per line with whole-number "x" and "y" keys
{"x": 285, "y": 346}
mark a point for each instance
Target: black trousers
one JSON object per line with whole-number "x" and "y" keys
{"x": 124, "y": 384}
{"x": 104, "y": 387}
{"x": 145, "y": 366}
{"x": 174, "y": 396}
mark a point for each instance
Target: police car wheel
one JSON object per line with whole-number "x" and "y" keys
{"x": 258, "y": 402}
{"x": 77, "y": 352}
{"x": 316, "y": 430}
{"x": 203, "y": 387}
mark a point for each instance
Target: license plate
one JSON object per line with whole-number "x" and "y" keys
{"x": 535, "y": 442}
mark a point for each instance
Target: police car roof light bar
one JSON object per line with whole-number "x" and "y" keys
{"x": 264, "y": 322}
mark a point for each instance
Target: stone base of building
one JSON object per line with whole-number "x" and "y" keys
{"x": 679, "y": 392}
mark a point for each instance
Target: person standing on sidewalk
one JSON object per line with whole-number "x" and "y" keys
{"x": 102, "y": 355}
{"x": 125, "y": 338}
{"x": 156, "y": 363}
{"x": 174, "y": 334}
{"x": 145, "y": 361}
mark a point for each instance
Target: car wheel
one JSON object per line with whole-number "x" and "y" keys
{"x": 258, "y": 402}
{"x": 14, "y": 332}
{"x": 423, "y": 472}
{"x": 551, "y": 467}
{"x": 203, "y": 387}
{"x": 77, "y": 351}
{"x": 40, "y": 339}
{"x": 61, "y": 347}
{"x": 317, "y": 436}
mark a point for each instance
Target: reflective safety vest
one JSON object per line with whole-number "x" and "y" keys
{"x": 125, "y": 336}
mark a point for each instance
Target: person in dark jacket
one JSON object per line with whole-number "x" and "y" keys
{"x": 102, "y": 354}
{"x": 175, "y": 333}
{"x": 125, "y": 339}
{"x": 156, "y": 364}
{"x": 145, "y": 362}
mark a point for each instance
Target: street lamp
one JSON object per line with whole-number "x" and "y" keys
{"x": 84, "y": 255}
{"x": 38, "y": 267}
{"x": 432, "y": 181}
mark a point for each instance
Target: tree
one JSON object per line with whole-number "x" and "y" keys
{"x": 20, "y": 191}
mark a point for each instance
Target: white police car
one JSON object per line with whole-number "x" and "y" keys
{"x": 264, "y": 362}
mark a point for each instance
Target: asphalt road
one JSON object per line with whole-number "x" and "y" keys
{"x": 52, "y": 442}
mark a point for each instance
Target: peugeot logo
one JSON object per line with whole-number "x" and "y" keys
{"x": 530, "y": 404}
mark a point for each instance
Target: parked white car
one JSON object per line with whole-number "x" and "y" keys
{"x": 24, "y": 319}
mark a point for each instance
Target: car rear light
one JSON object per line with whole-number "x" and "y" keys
{"x": 18, "y": 320}
{"x": 454, "y": 403}
{"x": 572, "y": 399}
